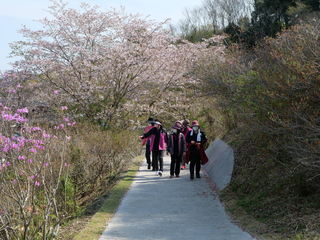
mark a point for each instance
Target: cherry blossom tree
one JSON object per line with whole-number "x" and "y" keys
{"x": 98, "y": 61}
{"x": 183, "y": 97}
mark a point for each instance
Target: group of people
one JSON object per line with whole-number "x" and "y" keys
{"x": 184, "y": 143}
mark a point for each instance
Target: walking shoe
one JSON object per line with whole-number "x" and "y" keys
{"x": 191, "y": 177}
{"x": 171, "y": 176}
{"x": 177, "y": 176}
{"x": 149, "y": 166}
{"x": 198, "y": 176}
{"x": 183, "y": 167}
{"x": 160, "y": 173}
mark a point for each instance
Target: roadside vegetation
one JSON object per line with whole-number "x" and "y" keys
{"x": 84, "y": 85}
{"x": 264, "y": 102}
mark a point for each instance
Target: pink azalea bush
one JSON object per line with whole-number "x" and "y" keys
{"x": 33, "y": 162}
{"x": 50, "y": 171}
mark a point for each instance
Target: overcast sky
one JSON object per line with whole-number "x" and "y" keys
{"x": 15, "y": 13}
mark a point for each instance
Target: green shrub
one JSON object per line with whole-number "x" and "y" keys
{"x": 267, "y": 100}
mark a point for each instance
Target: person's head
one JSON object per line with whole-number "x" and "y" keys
{"x": 151, "y": 121}
{"x": 178, "y": 123}
{"x": 195, "y": 125}
{"x": 157, "y": 124}
{"x": 176, "y": 128}
{"x": 185, "y": 123}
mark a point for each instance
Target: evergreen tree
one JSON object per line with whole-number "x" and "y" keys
{"x": 268, "y": 18}
{"x": 314, "y": 4}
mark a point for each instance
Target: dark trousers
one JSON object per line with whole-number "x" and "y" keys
{"x": 157, "y": 160}
{"x": 195, "y": 161}
{"x": 175, "y": 165}
{"x": 148, "y": 153}
{"x": 184, "y": 159}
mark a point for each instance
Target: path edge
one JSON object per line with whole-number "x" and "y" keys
{"x": 97, "y": 224}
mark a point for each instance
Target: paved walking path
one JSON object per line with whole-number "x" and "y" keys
{"x": 160, "y": 208}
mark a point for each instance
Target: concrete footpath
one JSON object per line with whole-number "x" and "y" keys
{"x": 161, "y": 208}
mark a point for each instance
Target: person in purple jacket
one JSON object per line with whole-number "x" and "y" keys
{"x": 158, "y": 145}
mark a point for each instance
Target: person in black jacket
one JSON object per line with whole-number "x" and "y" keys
{"x": 147, "y": 141}
{"x": 176, "y": 148}
{"x": 195, "y": 141}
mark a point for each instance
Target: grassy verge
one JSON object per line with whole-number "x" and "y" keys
{"x": 95, "y": 226}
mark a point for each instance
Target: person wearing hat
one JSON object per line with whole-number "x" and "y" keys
{"x": 179, "y": 123}
{"x": 195, "y": 149}
{"x": 176, "y": 148}
{"x": 146, "y": 141}
{"x": 185, "y": 129}
{"x": 158, "y": 144}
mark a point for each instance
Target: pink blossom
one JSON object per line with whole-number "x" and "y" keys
{"x": 68, "y": 138}
{"x": 15, "y": 117}
{"x": 30, "y": 160}
{"x": 15, "y": 146}
{"x": 66, "y": 119}
{"x": 71, "y": 124}
{"x": 23, "y": 110}
{"x": 35, "y": 129}
{"x": 37, "y": 183}
{"x": 33, "y": 150}
{"x": 21, "y": 141}
{"x": 45, "y": 164}
{"x": 8, "y": 164}
{"x": 11, "y": 91}
{"x": 33, "y": 177}
{"x": 21, "y": 157}
{"x": 150, "y": 55}
{"x": 7, "y": 117}
{"x": 39, "y": 146}
{"x": 61, "y": 126}
{"x": 45, "y": 135}
{"x": 56, "y": 92}
{"x": 38, "y": 142}
{"x": 20, "y": 119}
{"x": 6, "y": 149}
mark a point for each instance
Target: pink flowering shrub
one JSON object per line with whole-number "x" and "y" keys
{"x": 33, "y": 163}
